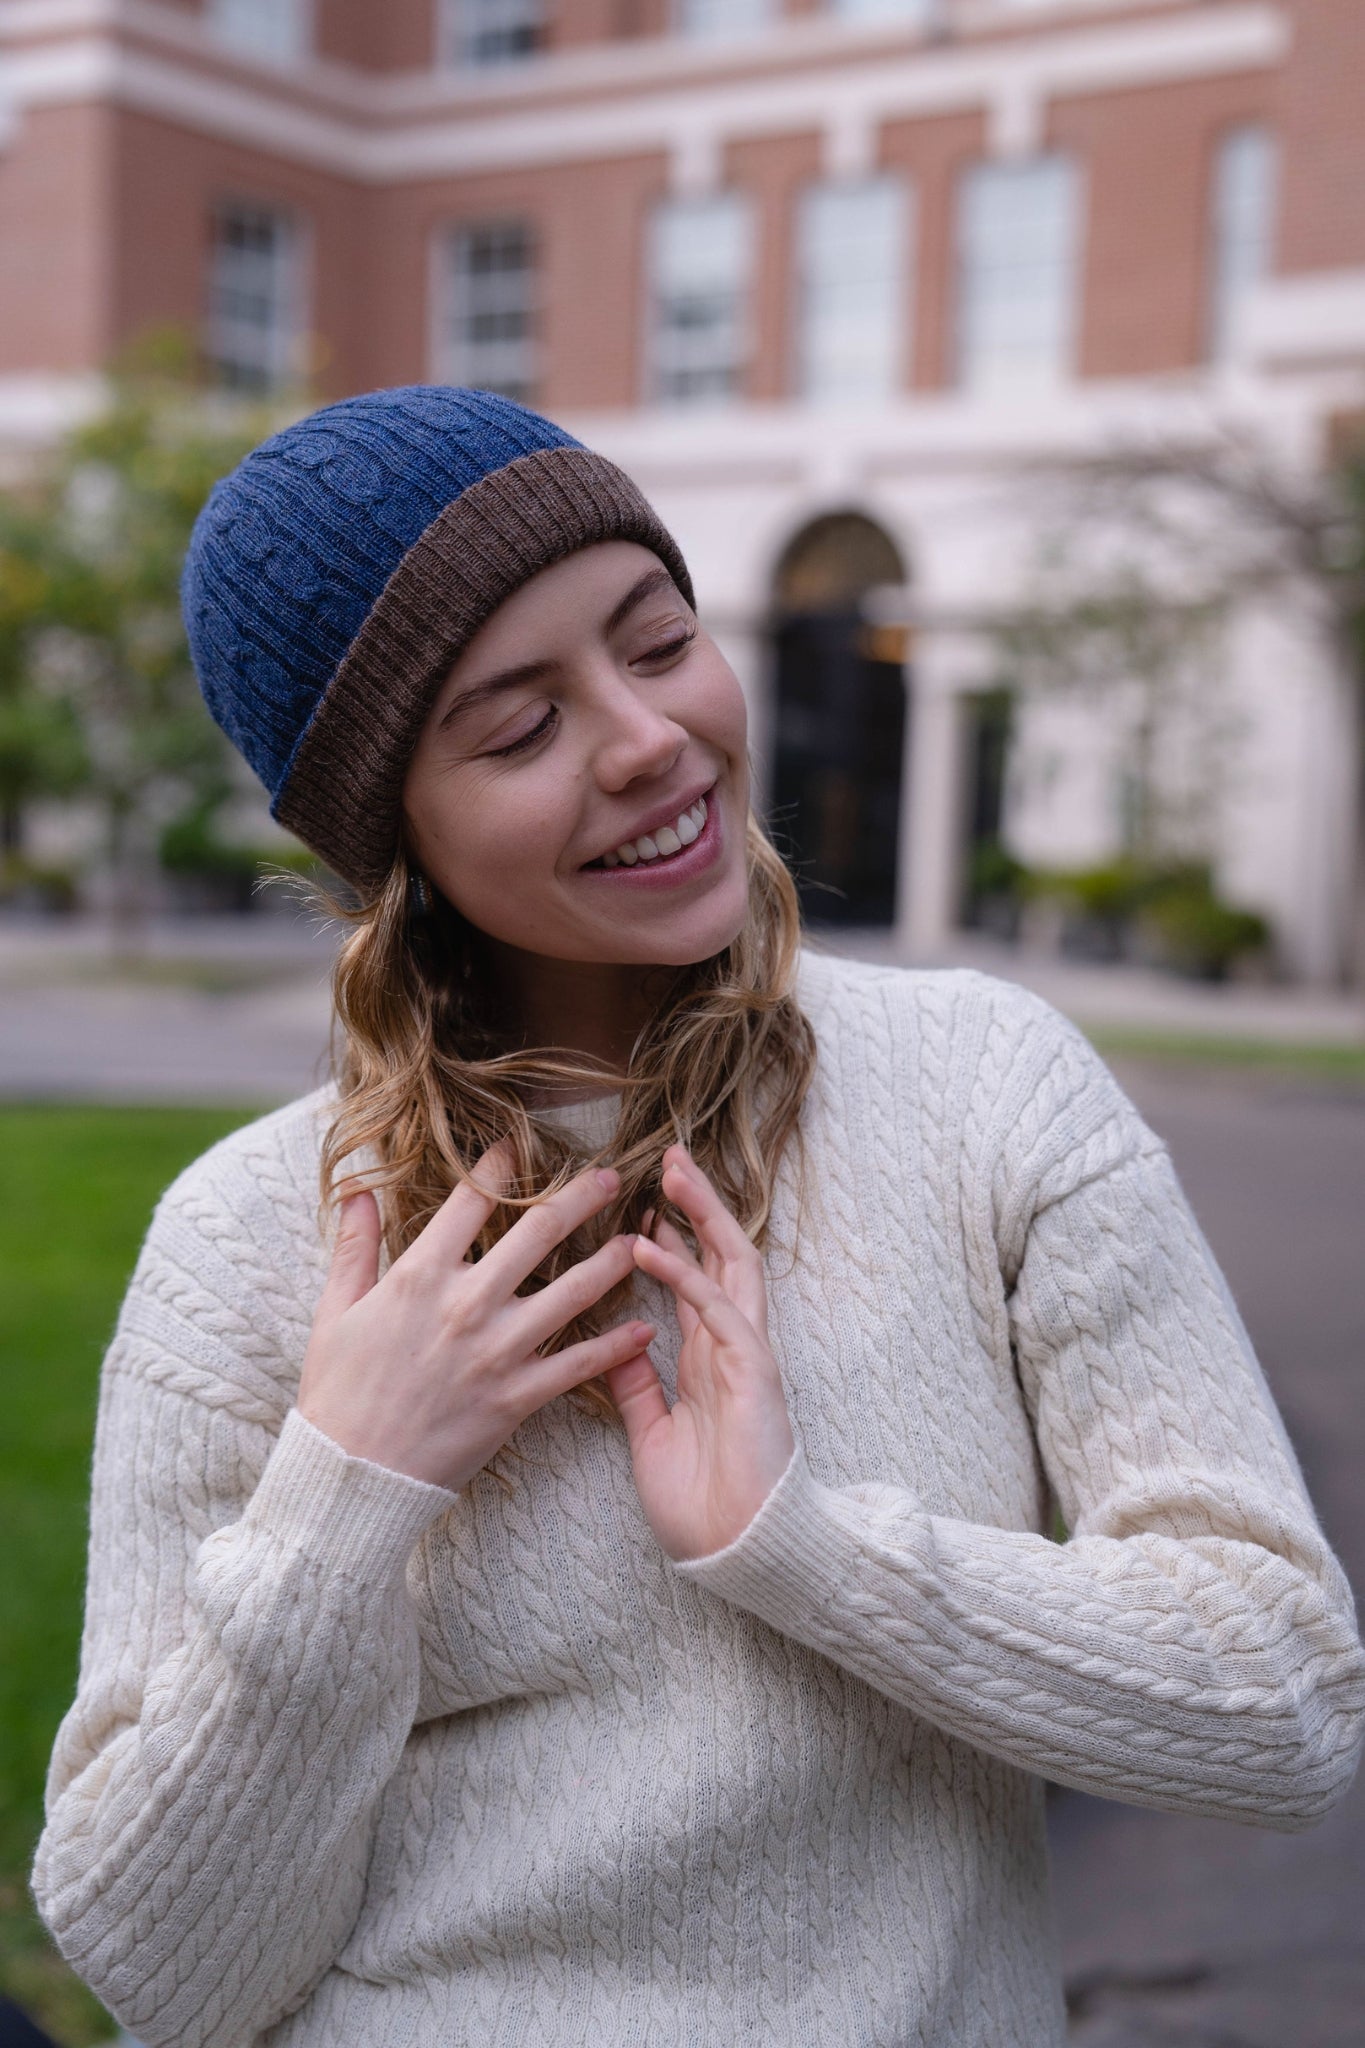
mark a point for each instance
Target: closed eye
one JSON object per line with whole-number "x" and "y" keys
{"x": 528, "y": 739}
{"x": 671, "y": 647}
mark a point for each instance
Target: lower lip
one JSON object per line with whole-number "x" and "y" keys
{"x": 670, "y": 870}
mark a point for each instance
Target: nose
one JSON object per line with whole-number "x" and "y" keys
{"x": 637, "y": 738}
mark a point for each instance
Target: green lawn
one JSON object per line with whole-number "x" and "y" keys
{"x": 76, "y": 1191}
{"x": 1338, "y": 1063}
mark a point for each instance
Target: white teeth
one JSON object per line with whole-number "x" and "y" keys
{"x": 658, "y": 845}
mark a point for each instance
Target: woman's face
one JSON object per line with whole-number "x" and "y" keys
{"x": 587, "y": 716}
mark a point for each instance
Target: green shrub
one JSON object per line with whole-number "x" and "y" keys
{"x": 37, "y": 885}
{"x": 1197, "y": 933}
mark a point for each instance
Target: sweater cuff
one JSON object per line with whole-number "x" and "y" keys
{"x": 346, "y": 1513}
{"x": 794, "y": 1557}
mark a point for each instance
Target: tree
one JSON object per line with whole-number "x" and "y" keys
{"x": 1151, "y": 548}
{"x": 97, "y": 692}
{"x": 42, "y": 752}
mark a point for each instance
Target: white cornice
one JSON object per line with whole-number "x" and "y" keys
{"x": 319, "y": 116}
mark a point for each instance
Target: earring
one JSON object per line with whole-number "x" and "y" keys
{"x": 419, "y": 895}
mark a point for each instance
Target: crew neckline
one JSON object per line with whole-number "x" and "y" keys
{"x": 593, "y": 1120}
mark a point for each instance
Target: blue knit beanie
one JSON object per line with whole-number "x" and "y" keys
{"x": 334, "y": 576}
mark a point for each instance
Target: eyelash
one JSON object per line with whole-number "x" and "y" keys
{"x": 547, "y": 723}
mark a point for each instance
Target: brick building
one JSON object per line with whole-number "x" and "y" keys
{"x": 831, "y": 277}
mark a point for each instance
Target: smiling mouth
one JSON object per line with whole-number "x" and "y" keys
{"x": 658, "y": 848}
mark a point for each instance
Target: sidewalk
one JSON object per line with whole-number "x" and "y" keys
{"x": 236, "y": 1010}
{"x": 221, "y": 1010}
{"x": 1137, "y": 999}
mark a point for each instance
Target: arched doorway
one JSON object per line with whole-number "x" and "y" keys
{"x": 840, "y": 704}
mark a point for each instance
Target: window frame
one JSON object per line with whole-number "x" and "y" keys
{"x": 218, "y": 17}
{"x": 282, "y": 362}
{"x": 452, "y": 354}
{"x": 1061, "y": 364}
{"x": 714, "y": 23}
{"x": 741, "y": 322}
{"x": 1228, "y": 283}
{"x": 899, "y": 345}
{"x": 460, "y": 41}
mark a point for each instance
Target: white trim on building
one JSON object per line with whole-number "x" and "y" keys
{"x": 465, "y": 131}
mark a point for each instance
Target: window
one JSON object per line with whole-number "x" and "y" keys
{"x": 276, "y": 30}
{"x": 851, "y": 252}
{"x": 699, "y": 262}
{"x": 487, "y": 311}
{"x": 722, "y": 18}
{"x": 1242, "y": 224}
{"x": 1017, "y": 236}
{"x": 254, "y": 293}
{"x": 491, "y": 31}
{"x": 916, "y": 13}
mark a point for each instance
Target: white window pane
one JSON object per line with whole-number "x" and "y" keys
{"x": 852, "y": 253}
{"x": 487, "y": 331}
{"x": 1017, "y": 244}
{"x": 490, "y": 31}
{"x": 1243, "y": 226}
{"x": 918, "y": 13}
{"x": 254, "y": 315}
{"x": 722, "y": 18}
{"x": 273, "y": 29}
{"x": 699, "y": 266}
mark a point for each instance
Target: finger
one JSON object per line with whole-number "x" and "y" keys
{"x": 688, "y": 1186}
{"x": 721, "y": 1317}
{"x": 636, "y": 1389}
{"x": 355, "y": 1257}
{"x": 573, "y": 1293}
{"x": 720, "y": 1235}
{"x": 672, "y": 1240}
{"x": 465, "y": 1210}
{"x": 591, "y": 1359}
{"x": 539, "y": 1229}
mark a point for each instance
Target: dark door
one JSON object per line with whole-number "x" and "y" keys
{"x": 837, "y": 771}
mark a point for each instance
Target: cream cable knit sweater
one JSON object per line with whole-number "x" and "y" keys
{"x": 354, "y": 1760}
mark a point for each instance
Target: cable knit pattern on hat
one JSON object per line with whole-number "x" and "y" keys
{"x": 354, "y": 1759}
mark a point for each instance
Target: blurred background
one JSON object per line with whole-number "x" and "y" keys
{"x": 1000, "y": 367}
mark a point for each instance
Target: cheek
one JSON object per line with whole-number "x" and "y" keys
{"x": 719, "y": 709}
{"x": 484, "y": 841}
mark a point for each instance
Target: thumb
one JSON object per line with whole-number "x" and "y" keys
{"x": 355, "y": 1257}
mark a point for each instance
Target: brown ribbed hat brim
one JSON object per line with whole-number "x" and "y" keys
{"x": 343, "y": 794}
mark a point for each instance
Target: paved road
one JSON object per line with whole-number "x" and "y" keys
{"x": 1181, "y": 1933}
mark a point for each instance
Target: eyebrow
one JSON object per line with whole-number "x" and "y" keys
{"x": 653, "y": 581}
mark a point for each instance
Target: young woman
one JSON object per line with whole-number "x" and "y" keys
{"x": 430, "y": 1693}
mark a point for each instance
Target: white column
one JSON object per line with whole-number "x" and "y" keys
{"x": 929, "y": 881}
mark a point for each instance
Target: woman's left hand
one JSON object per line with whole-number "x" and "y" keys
{"x": 704, "y": 1467}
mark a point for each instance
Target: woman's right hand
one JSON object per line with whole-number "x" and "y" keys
{"x": 431, "y": 1369}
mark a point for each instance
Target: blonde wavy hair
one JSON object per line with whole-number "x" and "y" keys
{"x": 426, "y": 1083}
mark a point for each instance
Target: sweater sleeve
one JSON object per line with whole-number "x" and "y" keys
{"x": 249, "y": 1668}
{"x": 1192, "y": 1645}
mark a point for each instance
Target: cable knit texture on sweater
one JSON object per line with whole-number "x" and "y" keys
{"x": 357, "y": 1760}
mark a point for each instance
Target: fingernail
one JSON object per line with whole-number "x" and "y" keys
{"x": 609, "y": 1178}
{"x": 643, "y": 1332}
